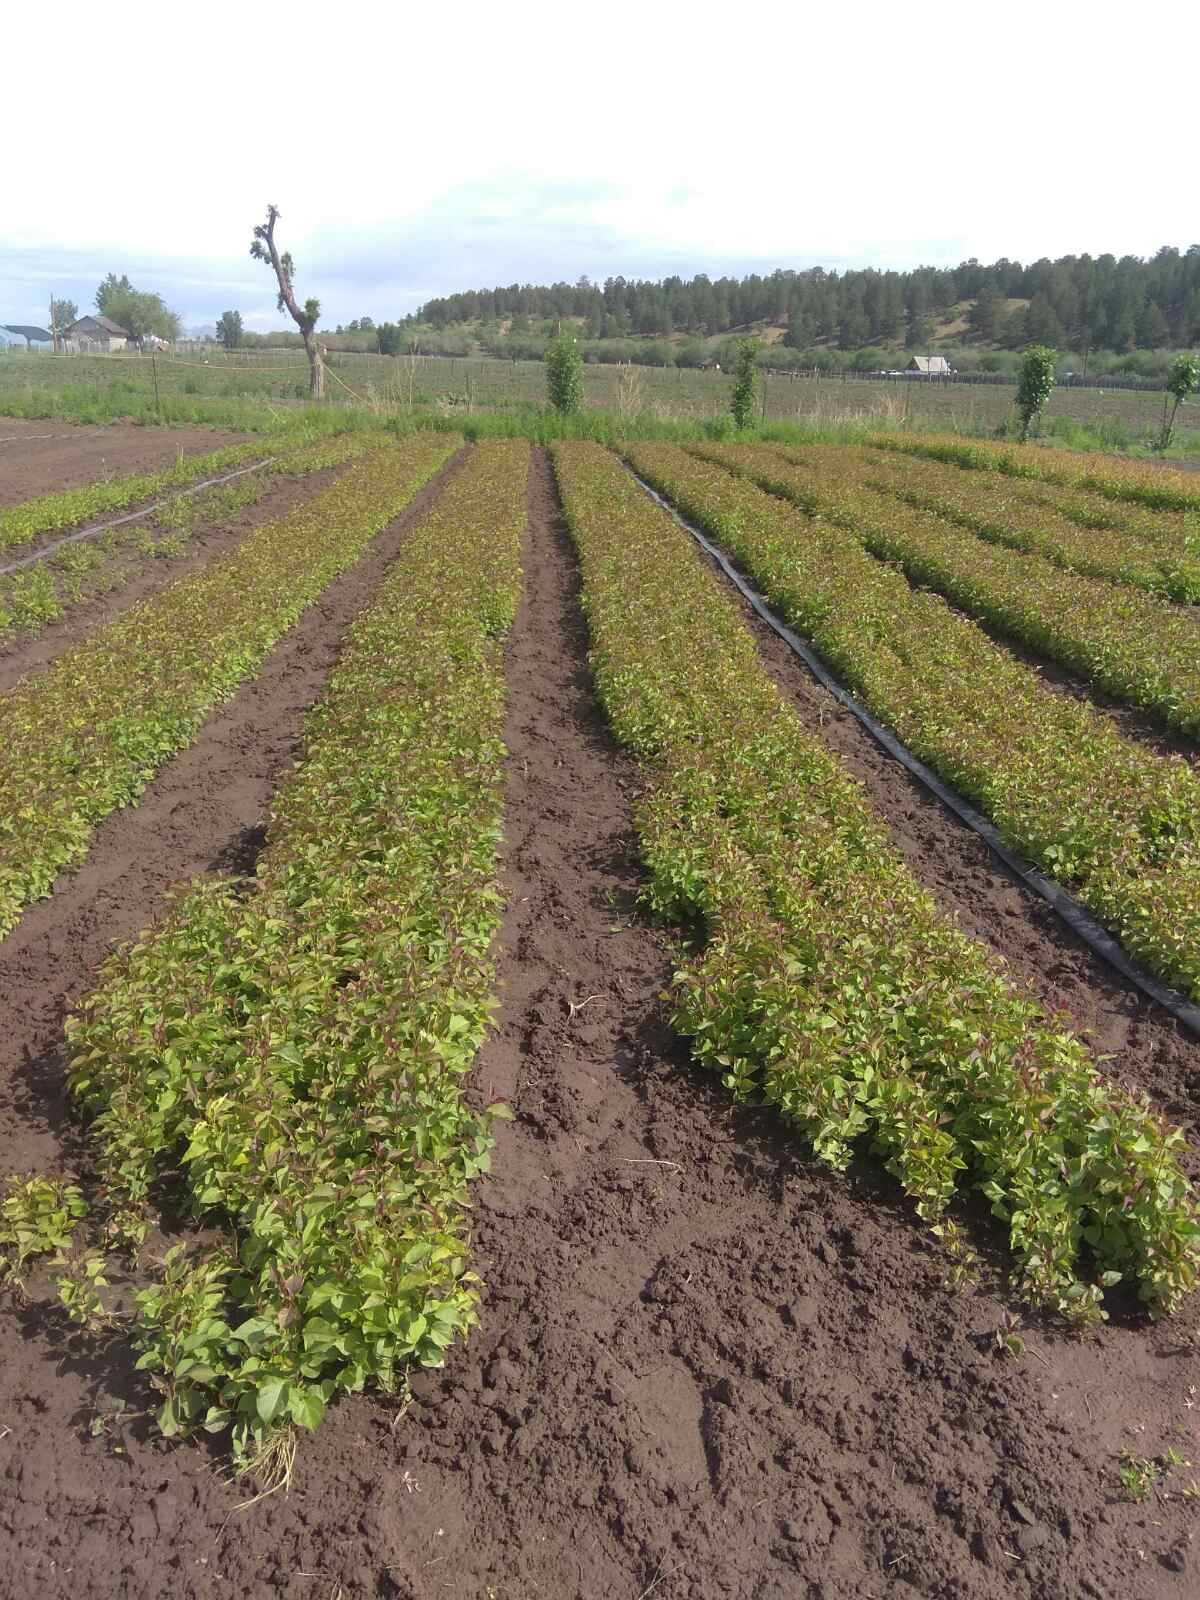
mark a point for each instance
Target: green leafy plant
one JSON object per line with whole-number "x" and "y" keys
{"x": 64, "y": 578}
{"x": 1114, "y": 480}
{"x": 1035, "y": 380}
{"x": 1182, "y": 380}
{"x": 1074, "y": 533}
{"x": 1133, "y": 646}
{"x": 564, "y": 374}
{"x": 38, "y": 1216}
{"x": 824, "y": 980}
{"x": 745, "y": 386}
{"x": 88, "y": 734}
{"x": 1093, "y": 808}
{"x": 298, "y": 1050}
{"x": 79, "y": 1282}
{"x": 53, "y": 512}
{"x": 1006, "y": 1339}
{"x": 1141, "y": 1475}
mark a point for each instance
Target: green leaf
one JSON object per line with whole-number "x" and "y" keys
{"x": 270, "y": 1398}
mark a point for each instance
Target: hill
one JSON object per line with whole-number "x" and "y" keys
{"x": 1077, "y": 303}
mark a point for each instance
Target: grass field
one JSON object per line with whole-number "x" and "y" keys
{"x": 256, "y": 391}
{"x": 494, "y": 1048}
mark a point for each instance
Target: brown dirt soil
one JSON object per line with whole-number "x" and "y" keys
{"x": 705, "y": 1368}
{"x": 127, "y": 576}
{"x": 43, "y": 457}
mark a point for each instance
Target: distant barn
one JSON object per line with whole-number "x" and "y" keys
{"x": 97, "y": 333}
{"x": 930, "y": 366}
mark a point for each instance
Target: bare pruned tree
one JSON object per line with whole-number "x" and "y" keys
{"x": 263, "y": 248}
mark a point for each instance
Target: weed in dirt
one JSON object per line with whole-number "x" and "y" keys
{"x": 1006, "y": 1340}
{"x": 1141, "y": 1475}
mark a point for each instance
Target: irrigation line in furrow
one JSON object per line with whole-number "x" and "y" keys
{"x": 132, "y": 516}
{"x": 30, "y": 438}
{"x": 1076, "y": 916}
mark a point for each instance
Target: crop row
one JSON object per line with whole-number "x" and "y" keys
{"x": 995, "y": 508}
{"x": 1137, "y": 648}
{"x": 89, "y": 733}
{"x": 1114, "y": 479}
{"x": 45, "y": 591}
{"x": 827, "y": 982}
{"x": 1096, "y": 810}
{"x": 299, "y": 452}
{"x": 303, "y": 1043}
{"x": 50, "y": 512}
{"x": 1173, "y": 535}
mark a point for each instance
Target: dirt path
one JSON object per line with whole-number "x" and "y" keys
{"x": 43, "y": 457}
{"x": 705, "y": 1368}
{"x": 127, "y": 576}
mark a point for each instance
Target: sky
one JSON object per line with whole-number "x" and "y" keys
{"x": 414, "y": 155}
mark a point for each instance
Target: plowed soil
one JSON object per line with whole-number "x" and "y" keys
{"x": 705, "y": 1367}
{"x": 43, "y": 457}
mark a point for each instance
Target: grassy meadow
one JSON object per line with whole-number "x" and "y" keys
{"x": 261, "y": 391}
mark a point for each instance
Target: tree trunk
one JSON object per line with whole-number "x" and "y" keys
{"x": 316, "y": 369}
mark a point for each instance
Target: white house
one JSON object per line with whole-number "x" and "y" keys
{"x": 931, "y": 366}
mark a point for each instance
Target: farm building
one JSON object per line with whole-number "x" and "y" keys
{"x": 97, "y": 333}
{"x": 13, "y": 332}
{"x": 930, "y": 366}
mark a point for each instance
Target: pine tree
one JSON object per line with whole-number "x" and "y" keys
{"x": 982, "y": 315}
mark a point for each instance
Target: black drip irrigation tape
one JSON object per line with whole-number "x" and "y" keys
{"x": 1077, "y": 917}
{"x": 132, "y": 516}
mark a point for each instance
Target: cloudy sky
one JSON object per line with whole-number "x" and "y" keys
{"x": 473, "y": 145}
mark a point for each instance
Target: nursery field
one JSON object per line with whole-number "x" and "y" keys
{"x": 524, "y": 1073}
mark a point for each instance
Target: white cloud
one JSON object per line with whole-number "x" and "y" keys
{"x": 417, "y": 153}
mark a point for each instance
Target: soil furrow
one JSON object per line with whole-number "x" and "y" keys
{"x": 38, "y": 461}
{"x": 127, "y": 576}
{"x": 704, "y": 1369}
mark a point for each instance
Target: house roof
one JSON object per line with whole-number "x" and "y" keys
{"x": 106, "y": 323}
{"x": 39, "y": 334}
{"x": 931, "y": 364}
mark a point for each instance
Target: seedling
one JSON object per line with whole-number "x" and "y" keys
{"x": 1006, "y": 1340}
{"x": 38, "y": 1216}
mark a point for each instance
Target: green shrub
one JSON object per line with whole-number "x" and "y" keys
{"x": 564, "y": 374}
{"x": 1035, "y": 380}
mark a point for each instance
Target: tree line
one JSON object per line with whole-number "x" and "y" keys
{"x": 1076, "y": 302}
